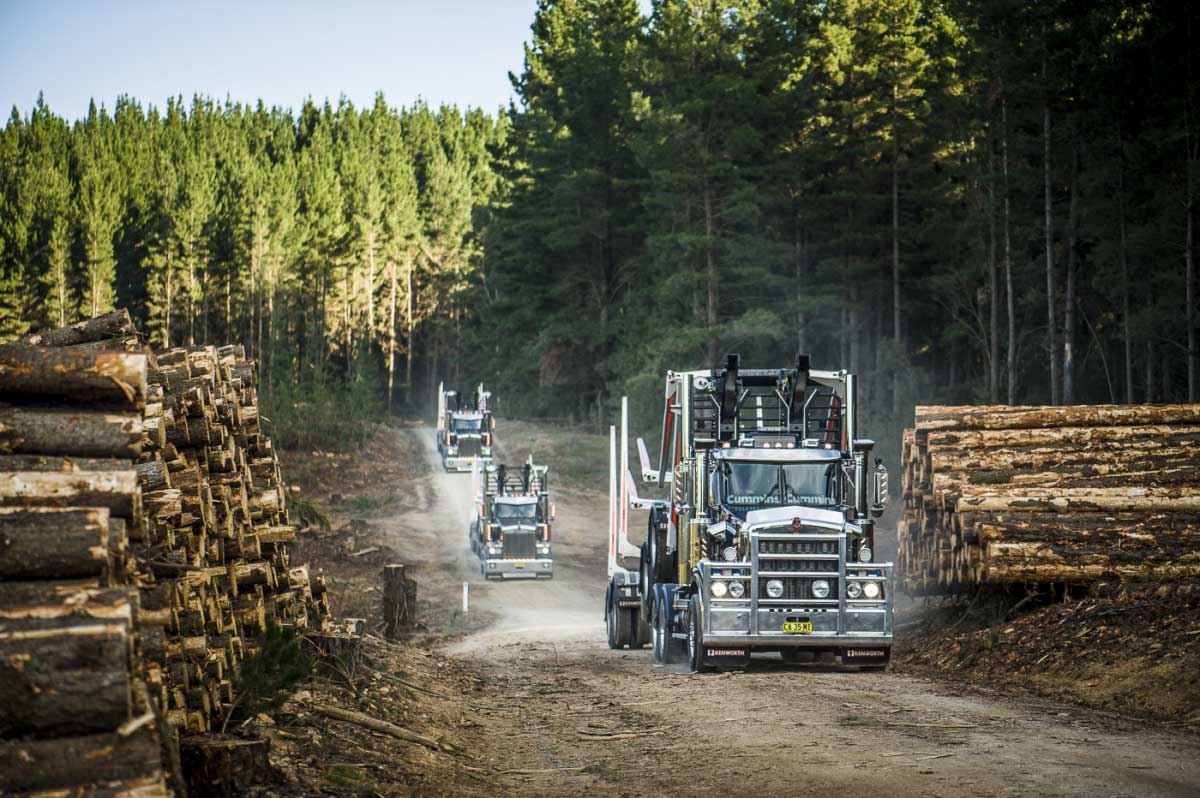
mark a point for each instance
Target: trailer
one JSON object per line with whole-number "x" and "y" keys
{"x": 765, "y": 541}
{"x": 511, "y": 530}
{"x": 465, "y": 428}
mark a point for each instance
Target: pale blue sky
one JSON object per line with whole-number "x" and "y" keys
{"x": 453, "y": 51}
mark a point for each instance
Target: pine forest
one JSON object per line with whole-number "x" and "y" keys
{"x": 961, "y": 200}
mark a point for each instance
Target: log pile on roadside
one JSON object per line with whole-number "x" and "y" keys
{"x": 143, "y": 547}
{"x": 1002, "y": 495}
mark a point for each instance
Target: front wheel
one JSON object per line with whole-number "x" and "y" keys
{"x": 666, "y": 647}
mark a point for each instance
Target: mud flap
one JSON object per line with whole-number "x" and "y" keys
{"x": 726, "y": 657}
{"x": 873, "y": 656}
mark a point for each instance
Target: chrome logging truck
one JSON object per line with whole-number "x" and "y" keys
{"x": 766, "y": 542}
{"x": 464, "y": 428}
{"x": 511, "y": 530}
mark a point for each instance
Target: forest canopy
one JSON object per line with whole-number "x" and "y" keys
{"x": 963, "y": 201}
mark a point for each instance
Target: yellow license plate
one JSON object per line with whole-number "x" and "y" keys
{"x": 797, "y": 627}
{"x": 518, "y": 565}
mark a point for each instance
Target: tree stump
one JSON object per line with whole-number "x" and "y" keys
{"x": 223, "y": 767}
{"x": 399, "y": 600}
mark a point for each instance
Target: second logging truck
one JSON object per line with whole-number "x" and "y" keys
{"x": 464, "y": 428}
{"x": 766, "y": 542}
{"x": 511, "y": 530}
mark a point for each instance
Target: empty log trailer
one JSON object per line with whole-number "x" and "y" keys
{"x": 769, "y": 538}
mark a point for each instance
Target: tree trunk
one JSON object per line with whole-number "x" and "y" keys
{"x": 47, "y": 543}
{"x": 710, "y": 274}
{"x": 115, "y": 490}
{"x": 82, "y": 376}
{"x": 1048, "y": 204}
{"x": 68, "y": 762}
{"x": 1011, "y": 355}
{"x": 993, "y": 276}
{"x": 391, "y": 335}
{"x": 1068, "y": 362}
{"x": 1124, "y": 258}
{"x": 67, "y": 680}
{"x": 896, "y": 324}
{"x": 409, "y": 338}
{"x": 45, "y": 430}
{"x": 111, "y": 325}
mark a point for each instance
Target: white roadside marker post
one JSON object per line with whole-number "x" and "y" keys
{"x": 464, "y": 598}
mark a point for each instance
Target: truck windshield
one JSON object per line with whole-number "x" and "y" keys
{"x": 467, "y": 424}
{"x": 512, "y": 513}
{"x": 750, "y": 486}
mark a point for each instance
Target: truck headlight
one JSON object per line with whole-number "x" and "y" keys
{"x": 854, "y": 590}
{"x": 864, "y": 554}
{"x": 719, "y": 589}
{"x": 491, "y": 551}
{"x": 820, "y": 589}
{"x": 737, "y": 589}
{"x": 451, "y": 450}
{"x": 730, "y": 553}
{"x": 486, "y": 450}
{"x": 871, "y": 589}
{"x": 774, "y": 588}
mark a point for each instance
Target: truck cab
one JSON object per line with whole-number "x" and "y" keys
{"x": 511, "y": 531}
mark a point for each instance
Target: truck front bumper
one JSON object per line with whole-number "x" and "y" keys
{"x": 456, "y": 463}
{"x": 519, "y": 569}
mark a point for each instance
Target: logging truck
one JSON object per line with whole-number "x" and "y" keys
{"x": 765, "y": 541}
{"x": 510, "y": 532}
{"x": 465, "y": 426}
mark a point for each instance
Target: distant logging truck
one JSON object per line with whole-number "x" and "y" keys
{"x": 465, "y": 426}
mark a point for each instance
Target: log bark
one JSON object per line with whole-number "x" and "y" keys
{"x": 70, "y": 762}
{"x": 47, "y": 430}
{"x": 88, "y": 377}
{"x": 1040, "y": 417}
{"x": 111, "y": 325}
{"x": 63, "y": 681}
{"x": 51, "y": 543}
{"x": 115, "y": 490}
{"x": 67, "y": 465}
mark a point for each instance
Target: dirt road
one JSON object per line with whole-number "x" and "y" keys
{"x": 564, "y": 715}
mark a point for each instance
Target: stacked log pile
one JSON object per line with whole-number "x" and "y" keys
{"x": 143, "y": 547}
{"x": 1002, "y": 495}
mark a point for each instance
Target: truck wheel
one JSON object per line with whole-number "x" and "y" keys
{"x": 670, "y": 649}
{"x": 695, "y": 641}
{"x": 610, "y": 625}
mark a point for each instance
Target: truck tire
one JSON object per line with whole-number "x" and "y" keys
{"x": 667, "y": 649}
{"x": 695, "y": 641}
{"x": 610, "y": 626}
{"x": 619, "y": 630}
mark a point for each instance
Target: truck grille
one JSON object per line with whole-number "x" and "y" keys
{"x": 798, "y": 588}
{"x": 468, "y": 447}
{"x": 799, "y": 546}
{"x": 782, "y": 556}
{"x": 520, "y": 545}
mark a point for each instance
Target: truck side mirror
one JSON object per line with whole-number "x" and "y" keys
{"x": 491, "y": 422}
{"x": 552, "y": 512}
{"x": 879, "y": 489}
